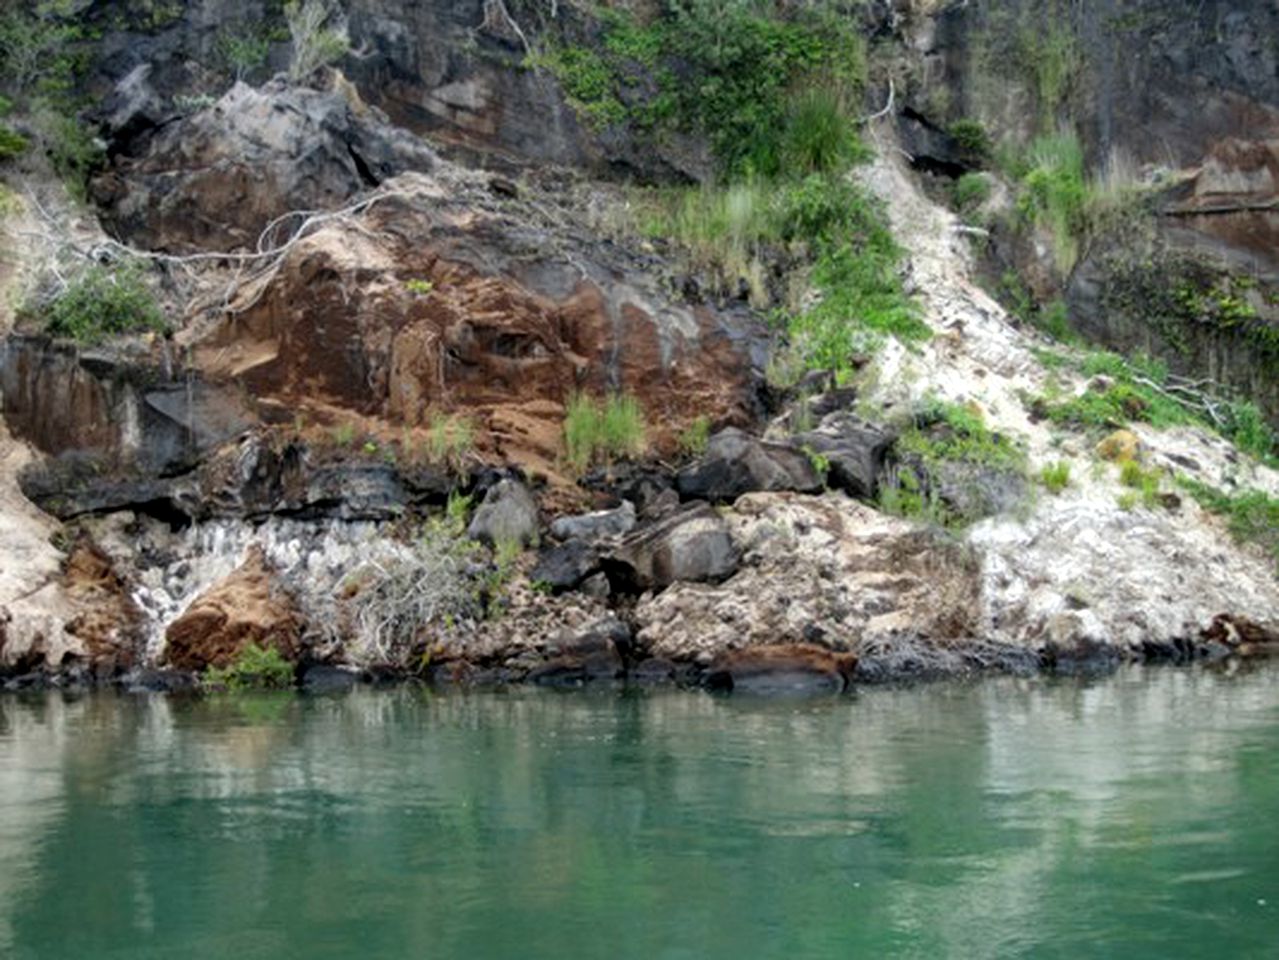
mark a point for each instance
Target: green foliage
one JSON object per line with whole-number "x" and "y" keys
{"x": 1055, "y": 194}
{"x": 418, "y": 286}
{"x": 12, "y": 143}
{"x": 1055, "y": 477}
{"x": 457, "y": 512}
{"x": 101, "y": 302}
{"x": 1134, "y": 393}
{"x": 602, "y": 431}
{"x": 1145, "y": 482}
{"x": 254, "y": 668}
{"x": 243, "y": 50}
{"x": 318, "y": 31}
{"x": 971, "y": 191}
{"x": 972, "y": 138}
{"x": 344, "y": 434}
{"x": 72, "y": 147}
{"x": 765, "y": 88}
{"x": 951, "y": 442}
{"x": 1248, "y": 429}
{"x": 449, "y": 439}
{"x": 1251, "y": 515}
{"x": 39, "y": 50}
{"x": 818, "y": 136}
{"x": 694, "y": 438}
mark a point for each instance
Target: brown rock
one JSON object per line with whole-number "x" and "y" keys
{"x": 1120, "y": 447}
{"x": 249, "y": 606}
{"x": 783, "y": 668}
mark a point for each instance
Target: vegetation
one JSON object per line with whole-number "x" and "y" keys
{"x": 102, "y": 301}
{"x": 596, "y": 431}
{"x": 766, "y": 90}
{"x": 1145, "y": 482}
{"x": 972, "y": 139}
{"x": 694, "y": 438}
{"x": 1055, "y": 477}
{"x": 243, "y": 50}
{"x": 1055, "y": 193}
{"x": 971, "y": 191}
{"x": 1141, "y": 389}
{"x": 950, "y": 445}
{"x": 449, "y": 439}
{"x": 1251, "y": 515}
{"x": 318, "y": 31}
{"x": 254, "y": 668}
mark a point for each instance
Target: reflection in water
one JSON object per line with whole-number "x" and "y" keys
{"x": 1130, "y": 817}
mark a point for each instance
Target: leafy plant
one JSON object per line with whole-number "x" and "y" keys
{"x": 419, "y": 286}
{"x": 318, "y": 31}
{"x": 971, "y": 191}
{"x": 102, "y": 301}
{"x": 254, "y": 668}
{"x": 12, "y": 143}
{"x": 971, "y": 137}
{"x": 243, "y": 50}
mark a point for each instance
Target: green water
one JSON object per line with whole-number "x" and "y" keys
{"x": 1131, "y": 817}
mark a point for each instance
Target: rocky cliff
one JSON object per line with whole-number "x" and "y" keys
{"x": 427, "y": 401}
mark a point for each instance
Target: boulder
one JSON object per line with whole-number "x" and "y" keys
{"x": 216, "y": 178}
{"x": 691, "y": 545}
{"x": 507, "y": 515}
{"x": 797, "y": 668}
{"x": 597, "y": 525}
{"x": 249, "y": 606}
{"x": 854, "y": 448}
{"x": 736, "y": 463}
{"x": 1119, "y": 447}
{"x": 594, "y": 654}
{"x": 566, "y": 565}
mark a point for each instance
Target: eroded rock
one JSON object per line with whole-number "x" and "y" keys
{"x": 249, "y": 606}
{"x": 508, "y": 515}
{"x": 692, "y": 545}
{"x": 781, "y": 669}
{"x": 736, "y": 463}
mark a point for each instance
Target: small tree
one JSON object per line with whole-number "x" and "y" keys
{"x": 318, "y": 29}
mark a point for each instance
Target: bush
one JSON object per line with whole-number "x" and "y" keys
{"x": 318, "y": 31}
{"x": 74, "y": 150}
{"x": 595, "y": 431}
{"x": 102, "y": 302}
{"x": 1055, "y": 477}
{"x": 972, "y": 138}
{"x": 254, "y": 668}
{"x": 12, "y": 143}
{"x": 1055, "y": 193}
{"x": 819, "y": 136}
{"x": 243, "y": 50}
{"x": 971, "y": 191}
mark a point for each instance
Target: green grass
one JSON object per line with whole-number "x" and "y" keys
{"x": 1055, "y": 477}
{"x": 12, "y": 143}
{"x": 972, "y": 138}
{"x": 254, "y": 668}
{"x": 1144, "y": 482}
{"x": 602, "y": 431}
{"x": 449, "y": 439}
{"x": 970, "y": 192}
{"x": 694, "y": 438}
{"x": 1251, "y": 515}
{"x": 1055, "y": 194}
{"x": 102, "y": 302}
{"x": 947, "y": 440}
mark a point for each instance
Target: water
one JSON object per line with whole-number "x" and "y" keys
{"x": 1132, "y": 817}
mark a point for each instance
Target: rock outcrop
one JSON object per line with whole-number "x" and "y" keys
{"x": 736, "y": 463}
{"x": 249, "y": 606}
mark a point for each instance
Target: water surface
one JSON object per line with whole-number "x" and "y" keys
{"x": 1131, "y": 817}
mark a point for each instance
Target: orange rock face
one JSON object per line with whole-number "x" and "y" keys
{"x": 438, "y": 303}
{"x": 249, "y": 606}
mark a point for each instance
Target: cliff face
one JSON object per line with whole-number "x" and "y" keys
{"x": 1157, "y": 92}
{"x": 367, "y": 324}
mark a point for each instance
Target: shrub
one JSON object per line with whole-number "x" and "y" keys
{"x": 596, "y": 431}
{"x": 1055, "y": 477}
{"x": 12, "y": 143}
{"x": 972, "y": 138}
{"x": 971, "y": 191}
{"x": 818, "y": 136}
{"x": 254, "y": 668}
{"x": 318, "y": 31}
{"x": 1055, "y": 193}
{"x": 695, "y": 437}
{"x": 101, "y": 302}
{"x": 243, "y": 50}
{"x": 73, "y": 149}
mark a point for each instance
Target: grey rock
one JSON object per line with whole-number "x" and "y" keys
{"x": 736, "y": 463}
{"x": 691, "y": 545}
{"x": 854, "y": 448}
{"x": 566, "y": 565}
{"x": 595, "y": 526}
{"x": 508, "y": 514}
